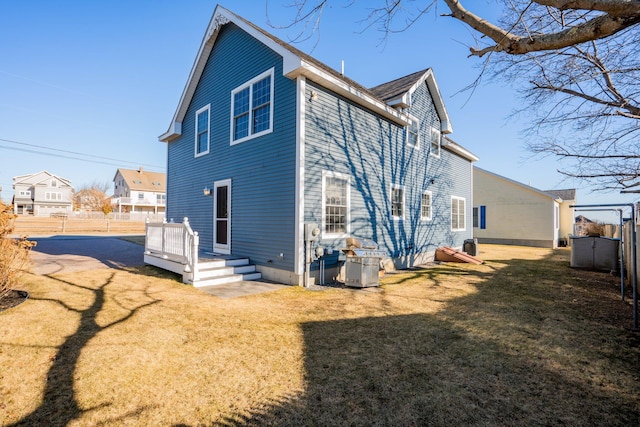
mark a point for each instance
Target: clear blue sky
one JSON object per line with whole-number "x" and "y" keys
{"x": 104, "y": 78}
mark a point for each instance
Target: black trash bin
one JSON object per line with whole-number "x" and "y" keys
{"x": 470, "y": 246}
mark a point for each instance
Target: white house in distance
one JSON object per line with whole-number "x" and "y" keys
{"x": 42, "y": 194}
{"x": 139, "y": 191}
{"x": 511, "y": 213}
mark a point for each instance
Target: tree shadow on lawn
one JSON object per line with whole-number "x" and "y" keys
{"x": 59, "y": 404}
{"x": 524, "y": 350}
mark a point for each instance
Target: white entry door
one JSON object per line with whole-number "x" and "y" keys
{"x": 222, "y": 216}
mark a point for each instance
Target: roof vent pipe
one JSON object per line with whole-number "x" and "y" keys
{"x": 342, "y": 67}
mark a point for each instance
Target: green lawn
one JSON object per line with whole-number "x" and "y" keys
{"x": 520, "y": 340}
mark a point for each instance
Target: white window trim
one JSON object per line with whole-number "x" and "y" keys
{"x": 404, "y": 205}
{"x": 464, "y": 225}
{"x": 347, "y": 233}
{"x": 427, "y": 218}
{"x": 431, "y": 153}
{"x": 413, "y": 119}
{"x": 268, "y": 73}
{"x": 195, "y": 146}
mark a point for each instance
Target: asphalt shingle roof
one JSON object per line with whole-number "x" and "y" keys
{"x": 142, "y": 180}
{"x": 395, "y": 88}
{"x": 566, "y": 194}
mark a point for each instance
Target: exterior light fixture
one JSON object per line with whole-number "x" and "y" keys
{"x": 206, "y": 191}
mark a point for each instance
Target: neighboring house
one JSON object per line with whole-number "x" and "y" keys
{"x": 42, "y": 194}
{"x": 139, "y": 191}
{"x": 582, "y": 225}
{"x": 281, "y": 141}
{"x": 511, "y": 213}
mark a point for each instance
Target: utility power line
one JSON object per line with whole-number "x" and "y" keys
{"x": 76, "y": 153}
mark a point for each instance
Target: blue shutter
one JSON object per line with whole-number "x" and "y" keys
{"x": 483, "y": 217}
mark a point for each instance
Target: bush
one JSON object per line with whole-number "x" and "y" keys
{"x": 14, "y": 253}
{"x": 595, "y": 229}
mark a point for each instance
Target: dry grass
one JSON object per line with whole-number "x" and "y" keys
{"x": 521, "y": 340}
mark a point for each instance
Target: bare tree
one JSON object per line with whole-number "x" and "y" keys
{"x": 577, "y": 64}
{"x": 584, "y": 108}
{"x": 93, "y": 197}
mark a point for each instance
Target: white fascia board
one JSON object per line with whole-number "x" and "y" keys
{"x": 460, "y": 150}
{"x": 352, "y": 93}
{"x": 174, "y": 131}
{"x": 430, "y": 79}
{"x": 439, "y": 103}
{"x": 401, "y": 102}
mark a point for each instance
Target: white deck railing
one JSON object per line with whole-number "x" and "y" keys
{"x": 173, "y": 242}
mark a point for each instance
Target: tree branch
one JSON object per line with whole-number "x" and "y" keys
{"x": 612, "y": 7}
{"x": 595, "y": 28}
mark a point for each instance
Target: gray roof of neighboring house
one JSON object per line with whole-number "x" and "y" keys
{"x": 37, "y": 178}
{"x": 582, "y": 218}
{"x": 566, "y": 194}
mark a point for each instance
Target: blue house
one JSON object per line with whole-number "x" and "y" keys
{"x": 267, "y": 140}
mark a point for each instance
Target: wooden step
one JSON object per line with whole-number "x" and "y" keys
{"x": 223, "y": 280}
{"x": 215, "y": 271}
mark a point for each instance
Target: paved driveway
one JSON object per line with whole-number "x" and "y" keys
{"x": 78, "y": 253}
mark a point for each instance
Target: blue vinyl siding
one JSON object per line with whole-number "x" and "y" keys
{"x": 342, "y": 137}
{"x": 262, "y": 169}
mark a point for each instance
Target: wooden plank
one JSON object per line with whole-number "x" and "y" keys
{"x": 447, "y": 254}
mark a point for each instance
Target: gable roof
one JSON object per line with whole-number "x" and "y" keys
{"x": 397, "y": 93}
{"x": 582, "y": 218}
{"x": 295, "y": 63}
{"x": 38, "y": 177}
{"x": 519, "y": 184}
{"x": 565, "y": 195}
{"x": 142, "y": 180}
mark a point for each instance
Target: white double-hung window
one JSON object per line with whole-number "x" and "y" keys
{"x": 202, "y": 130}
{"x": 458, "y": 214}
{"x": 425, "y": 206}
{"x": 435, "y": 142}
{"x": 335, "y": 204}
{"x": 252, "y": 108}
{"x": 397, "y": 202}
{"x": 413, "y": 133}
